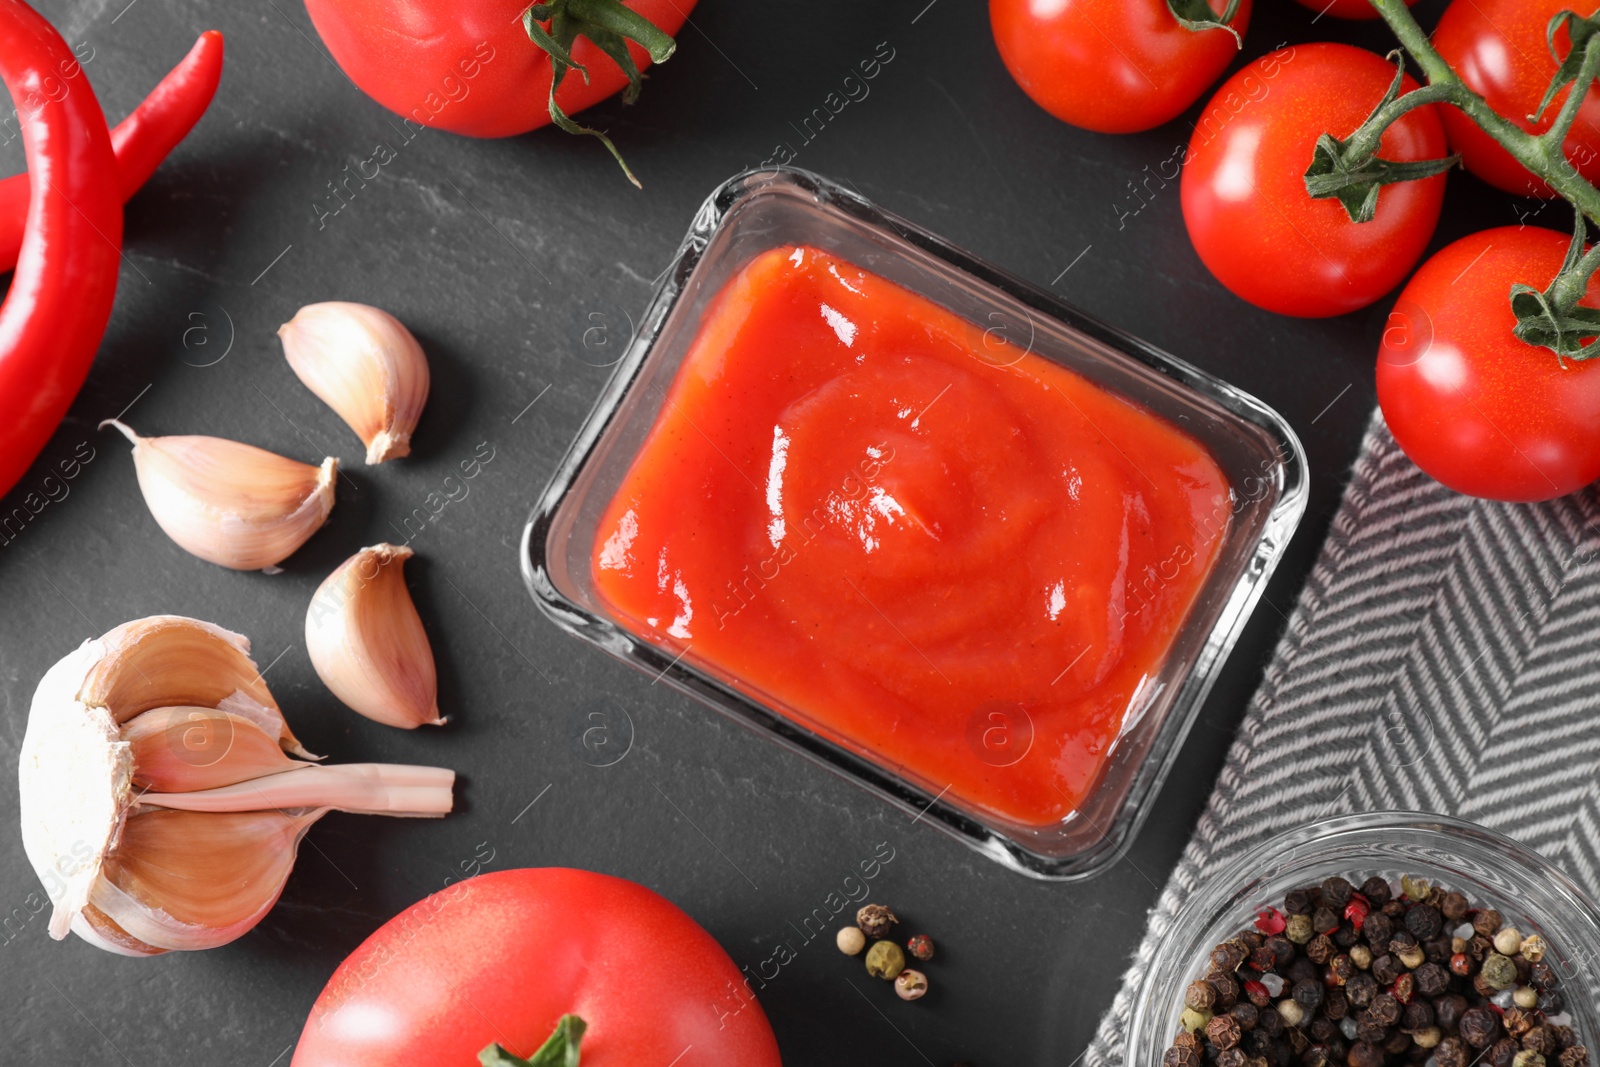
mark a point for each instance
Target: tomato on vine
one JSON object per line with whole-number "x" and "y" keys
{"x": 1475, "y": 407}
{"x": 1499, "y": 49}
{"x": 1117, "y": 66}
{"x": 1245, "y": 201}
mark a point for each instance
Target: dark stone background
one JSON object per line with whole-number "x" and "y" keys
{"x": 500, "y": 255}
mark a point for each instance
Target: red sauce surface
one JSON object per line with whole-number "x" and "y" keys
{"x": 955, "y": 557}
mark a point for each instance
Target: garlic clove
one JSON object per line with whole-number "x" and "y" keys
{"x": 136, "y": 869}
{"x": 366, "y": 366}
{"x": 230, "y": 503}
{"x": 367, "y": 643}
{"x": 173, "y": 661}
{"x": 183, "y": 880}
{"x": 179, "y": 749}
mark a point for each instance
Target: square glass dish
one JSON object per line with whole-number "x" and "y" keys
{"x": 978, "y": 776}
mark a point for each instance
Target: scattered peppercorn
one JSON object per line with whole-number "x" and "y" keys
{"x": 920, "y": 947}
{"x": 885, "y": 960}
{"x": 1479, "y": 1027}
{"x": 876, "y": 921}
{"x": 851, "y": 940}
{"x": 910, "y": 985}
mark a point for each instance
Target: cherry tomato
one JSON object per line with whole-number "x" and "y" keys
{"x": 1477, "y": 409}
{"x": 469, "y": 67}
{"x": 504, "y": 956}
{"x": 1498, "y": 48}
{"x": 1244, "y": 196}
{"x": 1116, "y": 66}
{"x": 1345, "y": 9}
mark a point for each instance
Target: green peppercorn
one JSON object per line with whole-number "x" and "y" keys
{"x": 1528, "y": 1059}
{"x": 1192, "y": 1020}
{"x": 1299, "y": 929}
{"x": 1498, "y": 971}
{"x": 885, "y": 960}
{"x": 1416, "y": 889}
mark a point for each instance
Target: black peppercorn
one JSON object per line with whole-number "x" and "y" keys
{"x": 1320, "y": 949}
{"x": 1200, "y": 996}
{"x": 1252, "y": 939}
{"x": 1227, "y": 990}
{"x": 1395, "y": 909}
{"x": 1566, "y": 1037}
{"x": 1257, "y": 1044}
{"x": 1417, "y": 1016}
{"x": 1177, "y": 1056}
{"x": 1336, "y": 892}
{"x": 1439, "y": 950}
{"x": 1321, "y": 1030}
{"x": 1378, "y": 929}
{"x": 1451, "y": 1053}
{"x": 1224, "y": 1031}
{"x": 875, "y": 921}
{"x": 1264, "y": 959}
{"x": 1283, "y": 951}
{"x": 1551, "y": 1002}
{"x": 1270, "y": 1022}
{"x": 1308, "y": 994}
{"x": 1302, "y": 969}
{"x": 1364, "y": 1054}
{"x": 1385, "y": 1009}
{"x": 1324, "y": 920}
{"x": 1336, "y": 1005}
{"x": 1302, "y": 901}
{"x": 1361, "y": 989}
{"x": 1424, "y": 922}
{"x": 1230, "y": 1057}
{"x": 1543, "y": 976}
{"x": 1516, "y": 1022}
{"x": 1227, "y": 956}
{"x": 1370, "y": 1029}
{"x": 1377, "y": 891}
{"x": 1487, "y": 922}
{"x": 1431, "y": 979}
{"x": 1502, "y": 1053}
{"x": 1576, "y": 1056}
{"x": 1398, "y": 1044}
{"x": 1385, "y": 969}
{"x": 1346, "y": 936}
{"x": 1447, "y": 1011}
{"x": 1541, "y": 1040}
{"x": 1454, "y": 907}
{"x": 1247, "y": 1014}
{"x": 1479, "y": 1027}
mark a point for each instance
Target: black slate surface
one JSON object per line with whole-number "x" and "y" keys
{"x": 504, "y": 257}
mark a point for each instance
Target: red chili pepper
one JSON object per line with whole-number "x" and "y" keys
{"x": 1271, "y": 922}
{"x": 60, "y": 299}
{"x": 141, "y": 141}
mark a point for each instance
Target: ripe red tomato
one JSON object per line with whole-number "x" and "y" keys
{"x": 1116, "y": 66}
{"x": 469, "y": 68}
{"x": 1244, "y": 196}
{"x": 1479, "y": 410}
{"x": 503, "y": 956}
{"x": 1498, "y": 48}
{"x": 1345, "y": 9}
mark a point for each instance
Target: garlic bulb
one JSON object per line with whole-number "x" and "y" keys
{"x": 366, "y": 366}
{"x": 367, "y": 642}
{"x": 233, "y": 504}
{"x": 161, "y": 802}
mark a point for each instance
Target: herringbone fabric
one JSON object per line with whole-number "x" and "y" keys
{"x": 1442, "y": 657}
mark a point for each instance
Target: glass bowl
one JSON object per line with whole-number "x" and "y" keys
{"x": 758, "y": 211}
{"x": 1492, "y": 870}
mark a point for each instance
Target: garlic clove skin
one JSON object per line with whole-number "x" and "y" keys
{"x": 232, "y": 504}
{"x": 366, "y": 366}
{"x": 144, "y": 849}
{"x": 367, "y": 642}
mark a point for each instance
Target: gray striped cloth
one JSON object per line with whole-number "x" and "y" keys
{"x": 1441, "y": 658}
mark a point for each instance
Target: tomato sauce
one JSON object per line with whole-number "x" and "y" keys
{"x": 929, "y": 545}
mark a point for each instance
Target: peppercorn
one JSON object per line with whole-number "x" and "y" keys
{"x": 1361, "y": 989}
{"x": 1424, "y": 922}
{"x": 1321, "y": 1030}
{"x": 1340, "y": 971}
{"x": 1251, "y": 939}
{"x": 1227, "y": 989}
{"x": 920, "y": 946}
{"x": 1291, "y": 1013}
{"x": 1181, "y": 1057}
{"x": 1308, "y": 994}
{"x": 1336, "y": 1005}
{"x": 1302, "y": 901}
{"x": 1298, "y": 1041}
{"x": 1325, "y": 920}
{"x": 1378, "y": 929}
{"x": 1377, "y": 891}
{"x": 850, "y": 940}
{"x": 1498, "y": 971}
{"x": 1541, "y": 1040}
{"x": 1448, "y": 1010}
{"x": 1479, "y": 1027}
{"x": 1189, "y": 1039}
{"x": 1551, "y": 1002}
{"x": 1370, "y": 1029}
{"x": 1315, "y": 1056}
{"x": 875, "y": 921}
{"x": 1247, "y": 1014}
{"x": 1346, "y": 936}
{"x": 1480, "y": 945}
{"x": 910, "y": 985}
{"x": 1455, "y": 906}
{"x": 1461, "y": 964}
{"x": 1527, "y": 1059}
{"x": 1385, "y": 1009}
{"x": 1525, "y": 996}
{"x": 1385, "y": 969}
{"x": 1320, "y": 949}
{"x": 1428, "y": 1037}
{"x": 1364, "y": 1054}
{"x": 1516, "y": 1021}
{"x": 1336, "y": 891}
{"x": 1397, "y": 1044}
{"x": 1404, "y": 988}
{"x": 1417, "y": 1016}
{"x": 1361, "y": 956}
{"x": 1451, "y": 1053}
{"x": 1543, "y": 976}
{"x": 1439, "y": 949}
{"x": 1576, "y": 1056}
{"x": 1415, "y": 889}
{"x": 885, "y": 960}
{"x": 1298, "y": 929}
{"x": 1487, "y": 922}
{"x": 1263, "y": 959}
{"x": 1193, "y": 1020}
{"x": 1224, "y": 1031}
{"x": 1303, "y": 970}
{"x": 1269, "y": 1022}
{"x": 1508, "y": 941}
{"x": 1502, "y": 1053}
{"x": 1566, "y": 1037}
{"x": 1230, "y": 1057}
{"x": 1432, "y": 979}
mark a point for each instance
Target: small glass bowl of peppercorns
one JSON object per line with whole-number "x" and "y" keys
{"x": 1384, "y": 940}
